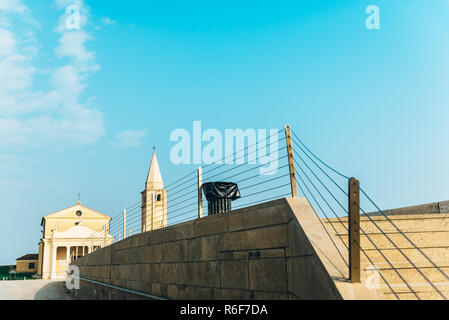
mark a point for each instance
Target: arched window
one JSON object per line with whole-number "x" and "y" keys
{"x": 159, "y": 197}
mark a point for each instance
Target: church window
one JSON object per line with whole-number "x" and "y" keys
{"x": 79, "y": 213}
{"x": 158, "y": 198}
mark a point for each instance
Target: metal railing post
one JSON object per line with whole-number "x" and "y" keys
{"x": 354, "y": 229}
{"x": 124, "y": 224}
{"x": 105, "y": 235}
{"x": 200, "y": 192}
{"x": 291, "y": 161}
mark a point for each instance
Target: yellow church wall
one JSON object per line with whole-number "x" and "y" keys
{"x": 46, "y": 261}
{"x": 23, "y": 266}
{"x": 61, "y": 263}
{"x": 40, "y": 259}
{"x": 67, "y": 223}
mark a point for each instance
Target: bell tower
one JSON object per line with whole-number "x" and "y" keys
{"x": 154, "y": 199}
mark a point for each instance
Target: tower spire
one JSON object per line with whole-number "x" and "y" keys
{"x": 154, "y": 199}
{"x": 154, "y": 178}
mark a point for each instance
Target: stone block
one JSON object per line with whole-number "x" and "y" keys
{"x": 168, "y": 272}
{"x": 178, "y": 232}
{"x": 240, "y": 255}
{"x": 146, "y": 272}
{"x": 193, "y": 250}
{"x": 154, "y": 237}
{"x": 202, "y": 293}
{"x": 132, "y": 255}
{"x": 126, "y": 243}
{"x": 156, "y": 289}
{"x": 141, "y": 272}
{"x": 141, "y": 286}
{"x": 125, "y": 256}
{"x": 234, "y": 274}
{"x": 227, "y": 255}
{"x": 266, "y": 214}
{"x": 116, "y": 272}
{"x": 155, "y": 276}
{"x": 164, "y": 290}
{"x": 268, "y": 274}
{"x": 124, "y": 272}
{"x": 115, "y": 257}
{"x": 272, "y": 253}
{"x": 140, "y": 254}
{"x": 172, "y": 291}
{"x": 261, "y": 238}
{"x": 210, "y": 225}
{"x": 132, "y": 285}
{"x": 174, "y": 251}
{"x": 233, "y": 294}
{"x": 206, "y": 274}
{"x": 140, "y": 240}
{"x": 210, "y": 247}
{"x": 184, "y": 292}
{"x": 307, "y": 279}
{"x": 152, "y": 253}
{"x": 264, "y": 295}
{"x": 184, "y": 273}
{"x": 298, "y": 244}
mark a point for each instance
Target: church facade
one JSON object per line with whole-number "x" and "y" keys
{"x": 77, "y": 231}
{"x": 69, "y": 234}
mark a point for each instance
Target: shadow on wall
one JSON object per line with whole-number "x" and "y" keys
{"x": 55, "y": 290}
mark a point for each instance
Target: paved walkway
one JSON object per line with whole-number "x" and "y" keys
{"x": 33, "y": 290}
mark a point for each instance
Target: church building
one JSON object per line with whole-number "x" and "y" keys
{"x": 69, "y": 234}
{"x": 154, "y": 199}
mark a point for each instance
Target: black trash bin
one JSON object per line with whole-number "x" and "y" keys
{"x": 220, "y": 195}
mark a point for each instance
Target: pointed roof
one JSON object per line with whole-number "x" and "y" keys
{"x": 154, "y": 178}
{"x": 29, "y": 257}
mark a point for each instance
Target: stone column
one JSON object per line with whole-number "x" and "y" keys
{"x": 53, "y": 261}
{"x": 67, "y": 255}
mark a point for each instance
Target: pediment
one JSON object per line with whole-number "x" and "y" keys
{"x": 70, "y": 212}
{"x": 75, "y": 232}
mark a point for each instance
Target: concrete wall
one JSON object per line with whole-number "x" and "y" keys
{"x": 429, "y": 208}
{"x": 260, "y": 252}
{"x": 427, "y": 226}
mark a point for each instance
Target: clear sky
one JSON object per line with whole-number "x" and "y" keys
{"x": 81, "y": 110}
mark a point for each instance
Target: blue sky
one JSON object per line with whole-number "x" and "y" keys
{"x": 80, "y": 111}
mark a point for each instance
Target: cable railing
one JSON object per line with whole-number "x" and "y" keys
{"x": 258, "y": 181}
{"x": 328, "y": 198}
{"x": 291, "y": 166}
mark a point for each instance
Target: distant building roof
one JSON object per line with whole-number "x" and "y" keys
{"x": 29, "y": 257}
